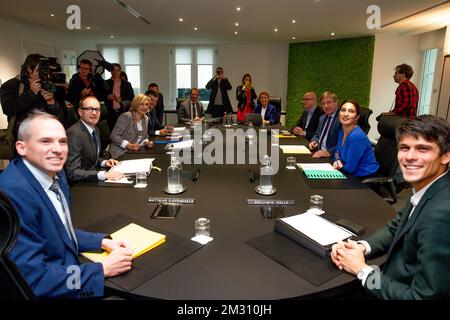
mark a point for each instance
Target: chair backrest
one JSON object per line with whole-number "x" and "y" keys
{"x": 179, "y": 101}
{"x": 276, "y": 102}
{"x": 12, "y": 283}
{"x": 363, "y": 120}
{"x": 386, "y": 148}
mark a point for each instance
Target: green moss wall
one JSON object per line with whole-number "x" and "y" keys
{"x": 343, "y": 66}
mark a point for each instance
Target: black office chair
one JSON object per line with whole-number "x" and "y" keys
{"x": 12, "y": 284}
{"x": 386, "y": 155}
{"x": 179, "y": 101}
{"x": 276, "y": 102}
{"x": 363, "y": 120}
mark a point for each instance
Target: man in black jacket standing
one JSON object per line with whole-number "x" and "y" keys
{"x": 219, "y": 102}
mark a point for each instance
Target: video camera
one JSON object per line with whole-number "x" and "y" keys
{"x": 51, "y": 74}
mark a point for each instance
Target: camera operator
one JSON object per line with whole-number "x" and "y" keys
{"x": 20, "y": 95}
{"x": 86, "y": 83}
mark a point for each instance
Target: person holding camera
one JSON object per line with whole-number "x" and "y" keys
{"x": 219, "y": 102}
{"x": 86, "y": 83}
{"x": 20, "y": 95}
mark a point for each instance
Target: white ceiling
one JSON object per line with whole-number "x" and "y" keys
{"x": 215, "y": 19}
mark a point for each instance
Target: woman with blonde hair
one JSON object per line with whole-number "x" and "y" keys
{"x": 131, "y": 129}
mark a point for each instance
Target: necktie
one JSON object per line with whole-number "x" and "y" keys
{"x": 65, "y": 208}
{"x": 94, "y": 137}
{"x": 325, "y": 131}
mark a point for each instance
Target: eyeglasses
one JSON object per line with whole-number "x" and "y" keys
{"x": 91, "y": 109}
{"x": 306, "y": 99}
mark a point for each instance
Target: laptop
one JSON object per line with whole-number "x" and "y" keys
{"x": 255, "y": 118}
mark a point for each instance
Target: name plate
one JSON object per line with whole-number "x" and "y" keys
{"x": 171, "y": 200}
{"x": 270, "y": 202}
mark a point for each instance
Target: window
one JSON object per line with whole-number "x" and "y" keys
{"x": 130, "y": 58}
{"x": 429, "y": 66}
{"x": 192, "y": 67}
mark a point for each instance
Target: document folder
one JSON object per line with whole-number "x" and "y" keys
{"x": 141, "y": 240}
{"x": 313, "y": 232}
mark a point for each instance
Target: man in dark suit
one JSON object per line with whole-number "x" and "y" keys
{"x": 309, "y": 120}
{"x": 46, "y": 251}
{"x": 159, "y": 109}
{"x": 155, "y": 128}
{"x": 416, "y": 241}
{"x": 84, "y": 159}
{"x": 191, "y": 110}
{"x": 325, "y": 139}
{"x": 219, "y": 102}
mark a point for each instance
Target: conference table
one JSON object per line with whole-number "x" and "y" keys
{"x": 227, "y": 267}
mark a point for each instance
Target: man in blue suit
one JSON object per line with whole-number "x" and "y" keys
{"x": 324, "y": 142}
{"x": 416, "y": 242}
{"x": 46, "y": 251}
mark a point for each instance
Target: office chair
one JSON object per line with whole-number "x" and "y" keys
{"x": 363, "y": 121}
{"x": 12, "y": 284}
{"x": 276, "y": 102}
{"x": 179, "y": 101}
{"x": 386, "y": 154}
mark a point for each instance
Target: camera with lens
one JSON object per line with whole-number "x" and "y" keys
{"x": 51, "y": 74}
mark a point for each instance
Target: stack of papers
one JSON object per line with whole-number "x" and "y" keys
{"x": 140, "y": 239}
{"x": 183, "y": 144}
{"x": 133, "y": 166}
{"x": 317, "y": 228}
{"x": 320, "y": 171}
{"x": 295, "y": 149}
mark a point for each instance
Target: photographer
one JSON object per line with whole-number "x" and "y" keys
{"x": 86, "y": 83}
{"x": 219, "y": 102}
{"x": 20, "y": 95}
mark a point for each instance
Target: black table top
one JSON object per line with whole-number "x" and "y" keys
{"x": 227, "y": 268}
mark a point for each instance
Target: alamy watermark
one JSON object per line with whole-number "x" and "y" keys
{"x": 373, "y": 281}
{"x": 73, "y": 21}
{"x": 374, "y": 20}
{"x": 73, "y": 281}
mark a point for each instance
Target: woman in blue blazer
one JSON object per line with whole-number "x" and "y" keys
{"x": 354, "y": 152}
{"x": 268, "y": 111}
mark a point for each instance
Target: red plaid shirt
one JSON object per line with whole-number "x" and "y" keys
{"x": 406, "y": 100}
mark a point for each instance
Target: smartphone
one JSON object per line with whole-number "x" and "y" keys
{"x": 272, "y": 212}
{"x": 166, "y": 211}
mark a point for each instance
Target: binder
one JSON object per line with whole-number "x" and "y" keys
{"x": 310, "y": 242}
{"x": 320, "y": 171}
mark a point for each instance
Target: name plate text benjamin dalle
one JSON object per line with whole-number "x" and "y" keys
{"x": 270, "y": 202}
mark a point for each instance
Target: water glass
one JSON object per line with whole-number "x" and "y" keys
{"x": 316, "y": 202}
{"x": 202, "y": 227}
{"x": 141, "y": 180}
{"x": 290, "y": 162}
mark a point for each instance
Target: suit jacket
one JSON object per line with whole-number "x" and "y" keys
{"x": 76, "y": 85}
{"x": 184, "y": 112}
{"x": 160, "y": 108}
{"x": 83, "y": 160}
{"x": 213, "y": 85}
{"x": 313, "y": 122}
{"x": 153, "y": 122}
{"x": 271, "y": 113}
{"x": 418, "y": 248}
{"x": 126, "y": 129}
{"x": 126, "y": 92}
{"x": 333, "y": 132}
{"x": 43, "y": 251}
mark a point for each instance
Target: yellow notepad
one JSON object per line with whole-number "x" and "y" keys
{"x": 140, "y": 239}
{"x": 285, "y": 136}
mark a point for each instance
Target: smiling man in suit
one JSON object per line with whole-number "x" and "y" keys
{"x": 47, "y": 246}
{"x": 84, "y": 162}
{"x": 309, "y": 120}
{"x": 416, "y": 241}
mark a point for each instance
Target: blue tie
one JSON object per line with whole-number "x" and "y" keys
{"x": 94, "y": 137}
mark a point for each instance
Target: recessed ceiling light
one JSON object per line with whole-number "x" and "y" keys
{"x": 180, "y": 19}
{"x": 293, "y": 38}
{"x": 111, "y": 36}
{"x": 52, "y": 15}
{"x": 293, "y": 21}
{"x": 236, "y": 24}
{"x": 276, "y": 29}
{"x": 235, "y": 32}
{"x": 195, "y": 28}
{"x": 332, "y": 33}
{"x": 238, "y": 9}
{"x": 89, "y": 28}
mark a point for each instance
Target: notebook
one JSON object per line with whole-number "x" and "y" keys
{"x": 141, "y": 240}
{"x": 320, "y": 171}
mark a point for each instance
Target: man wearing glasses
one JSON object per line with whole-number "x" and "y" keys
{"x": 84, "y": 162}
{"x": 309, "y": 120}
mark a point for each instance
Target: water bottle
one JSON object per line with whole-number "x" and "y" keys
{"x": 266, "y": 175}
{"x": 174, "y": 176}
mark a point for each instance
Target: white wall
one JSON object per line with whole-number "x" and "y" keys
{"x": 16, "y": 38}
{"x": 390, "y": 51}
